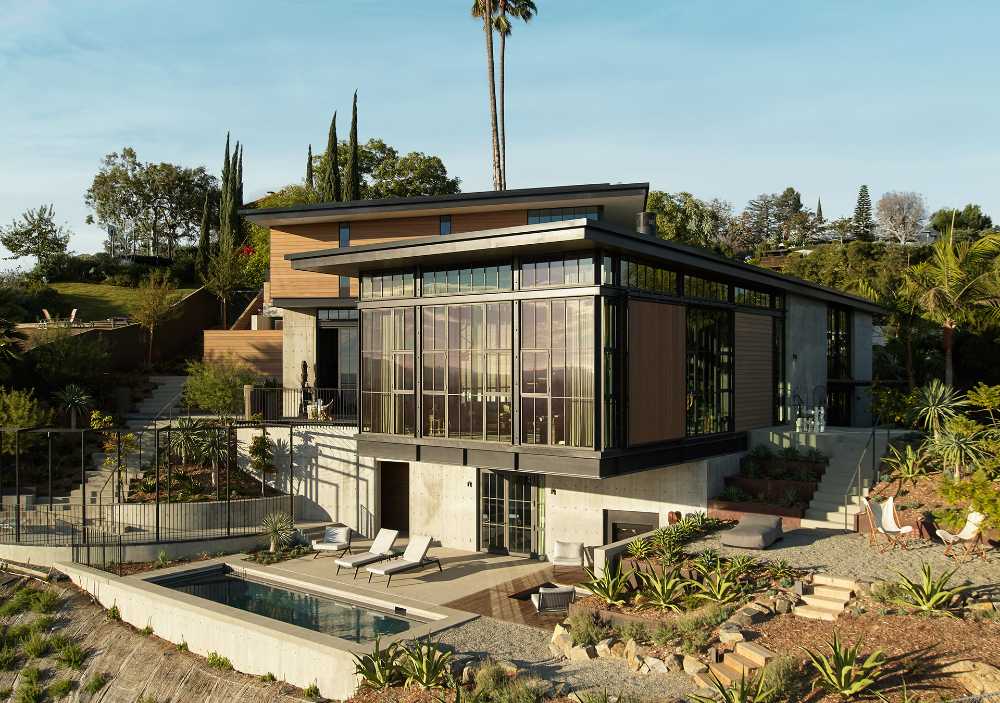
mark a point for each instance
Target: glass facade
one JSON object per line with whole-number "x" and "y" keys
{"x": 751, "y": 298}
{"x": 838, "y": 343}
{"x": 654, "y": 279}
{"x": 705, "y": 289}
{"x": 344, "y": 241}
{"x": 562, "y": 271}
{"x": 444, "y": 224}
{"x": 391, "y": 285}
{"x": 609, "y": 334}
{"x": 557, "y": 372}
{"x": 559, "y": 214}
{"x": 467, "y": 371}
{"x": 483, "y": 279}
{"x": 387, "y": 345}
{"x": 709, "y": 371}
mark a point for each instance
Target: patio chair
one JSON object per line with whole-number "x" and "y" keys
{"x": 46, "y": 318}
{"x": 72, "y": 317}
{"x": 568, "y": 554}
{"x": 971, "y": 537}
{"x": 882, "y": 520}
{"x": 380, "y": 549}
{"x": 335, "y": 539}
{"x": 553, "y": 600}
{"x": 415, "y": 557}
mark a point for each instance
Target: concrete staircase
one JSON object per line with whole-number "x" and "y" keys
{"x": 745, "y": 661}
{"x": 827, "y": 598}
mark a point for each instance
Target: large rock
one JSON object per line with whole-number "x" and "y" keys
{"x": 618, "y": 650}
{"x": 559, "y": 630}
{"x": 636, "y": 662}
{"x": 672, "y": 662}
{"x": 656, "y": 666}
{"x": 582, "y": 653}
{"x": 604, "y": 647}
{"x": 693, "y": 665}
{"x": 729, "y": 636}
{"x": 782, "y": 605}
{"x": 561, "y": 645}
{"x": 631, "y": 648}
{"x": 977, "y": 677}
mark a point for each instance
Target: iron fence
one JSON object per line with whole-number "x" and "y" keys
{"x": 335, "y": 405}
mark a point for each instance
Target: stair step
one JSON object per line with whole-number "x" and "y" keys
{"x": 740, "y": 663}
{"x": 825, "y": 590}
{"x": 812, "y": 524}
{"x": 833, "y": 604}
{"x": 755, "y": 652}
{"x": 813, "y": 613}
{"x": 836, "y": 581}
{"x": 724, "y": 673}
{"x": 703, "y": 680}
{"x": 833, "y": 516}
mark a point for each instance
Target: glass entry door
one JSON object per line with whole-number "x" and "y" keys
{"x": 511, "y": 512}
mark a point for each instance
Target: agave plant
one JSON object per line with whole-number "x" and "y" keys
{"x": 380, "y": 669}
{"x": 706, "y": 561}
{"x": 753, "y": 690}
{"x": 279, "y": 530}
{"x": 906, "y": 466}
{"x": 936, "y": 403}
{"x": 665, "y": 591}
{"x": 611, "y": 587}
{"x": 844, "y": 672}
{"x": 742, "y": 564}
{"x": 75, "y": 400}
{"x": 929, "y": 595}
{"x": 779, "y": 570}
{"x": 640, "y": 549}
{"x": 717, "y": 587}
{"x": 425, "y": 664}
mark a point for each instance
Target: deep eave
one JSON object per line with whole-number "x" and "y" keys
{"x": 529, "y": 241}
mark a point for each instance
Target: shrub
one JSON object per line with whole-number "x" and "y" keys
{"x": 62, "y": 358}
{"x": 665, "y": 634}
{"x": 603, "y": 697}
{"x": 45, "y": 602}
{"x": 425, "y": 664}
{"x": 380, "y": 669}
{"x": 844, "y": 672}
{"x": 633, "y": 631}
{"x": 974, "y": 490}
{"x": 490, "y": 678}
{"x": 8, "y": 658}
{"x": 785, "y": 679}
{"x": 41, "y": 624}
{"x": 217, "y": 661}
{"x": 147, "y": 631}
{"x": 586, "y": 629}
{"x": 36, "y": 646}
{"x": 312, "y": 692}
{"x": 217, "y": 386}
{"x": 181, "y": 646}
{"x": 61, "y": 688}
{"x": 29, "y": 693}
{"x": 72, "y": 656}
{"x": 96, "y": 682}
{"x": 886, "y": 592}
{"x": 114, "y": 613}
{"x": 528, "y": 690}
{"x": 612, "y": 586}
{"x": 694, "y": 641}
{"x": 930, "y": 595}
{"x": 752, "y": 690}
{"x": 22, "y": 409}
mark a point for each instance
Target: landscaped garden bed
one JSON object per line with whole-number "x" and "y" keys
{"x": 771, "y": 483}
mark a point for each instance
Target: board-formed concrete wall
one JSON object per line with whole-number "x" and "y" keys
{"x": 861, "y": 367}
{"x": 299, "y": 344}
{"x": 444, "y": 504}
{"x": 805, "y": 350}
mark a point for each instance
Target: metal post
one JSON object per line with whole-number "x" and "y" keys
{"x": 229, "y": 460}
{"x": 83, "y": 484}
{"x": 156, "y": 461}
{"x": 17, "y": 485}
{"x": 170, "y": 459}
{"x": 118, "y": 465}
{"x": 49, "y": 437}
{"x": 291, "y": 483}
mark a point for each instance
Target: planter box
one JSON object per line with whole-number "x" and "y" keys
{"x": 787, "y": 467}
{"x": 791, "y": 519}
{"x": 774, "y": 489}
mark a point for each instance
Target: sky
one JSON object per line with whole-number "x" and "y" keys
{"x": 721, "y": 99}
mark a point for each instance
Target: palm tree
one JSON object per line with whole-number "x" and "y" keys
{"x": 958, "y": 278}
{"x": 504, "y": 10}
{"x": 74, "y": 399}
{"x": 902, "y": 307}
{"x": 484, "y": 9}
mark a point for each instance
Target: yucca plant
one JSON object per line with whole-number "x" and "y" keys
{"x": 665, "y": 591}
{"x": 742, "y": 564}
{"x": 905, "y": 466}
{"x": 716, "y": 587}
{"x": 185, "y": 442}
{"x": 75, "y": 400}
{"x": 640, "y": 549}
{"x": 752, "y": 690}
{"x": 612, "y": 587}
{"x": 936, "y": 403}
{"x": 706, "y": 561}
{"x": 279, "y": 530}
{"x": 380, "y": 669}
{"x": 426, "y": 665}
{"x": 844, "y": 672}
{"x": 929, "y": 595}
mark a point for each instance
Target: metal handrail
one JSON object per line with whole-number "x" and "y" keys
{"x": 856, "y": 477}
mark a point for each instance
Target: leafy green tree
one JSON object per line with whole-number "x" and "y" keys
{"x": 684, "y": 218}
{"x": 21, "y": 409}
{"x": 36, "y": 234}
{"x": 971, "y": 218}
{"x": 153, "y": 304}
{"x": 61, "y": 357}
{"x": 225, "y": 272}
{"x": 353, "y": 185}
{"x": 864, "y": 224}
{"x": 819, "y": 211}
{"x": 217, "y": 386}
{"x": 763, "y": 221}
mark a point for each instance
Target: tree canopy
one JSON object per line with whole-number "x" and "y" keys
{"x": 36, "y": 234}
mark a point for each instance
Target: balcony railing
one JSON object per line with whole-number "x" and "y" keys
{"x": 307, "y": 404}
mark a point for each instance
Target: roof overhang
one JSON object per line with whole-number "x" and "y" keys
{"x": 621, "y": 203}
{"x": 530, "y": 241}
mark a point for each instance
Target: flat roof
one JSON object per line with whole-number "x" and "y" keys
{"x": 528, "y": 241}
{"x": 630, "y": 198}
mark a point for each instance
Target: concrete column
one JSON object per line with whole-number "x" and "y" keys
{"x": 861, "y": 367}
{"x": 805, "y": 350}
{"x": 298, "y": 345}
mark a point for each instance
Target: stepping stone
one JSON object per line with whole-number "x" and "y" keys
{"x": 703, "y": 681}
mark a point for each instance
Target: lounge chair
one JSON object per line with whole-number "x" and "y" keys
{"x": 553, "y": 600}
{"x": 415, "y": 557}
{"x": 380, "y": 549}
{"x": 335, "y": 539}
{"x": 882, "y": 520}
{"x": 569, "y": 554}
{"x": 47, "y": 318}
{"x": 971, "y": 537}
{"x": 72, "y": 317}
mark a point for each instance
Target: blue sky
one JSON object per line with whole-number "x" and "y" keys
{"x": 722, "y": 99}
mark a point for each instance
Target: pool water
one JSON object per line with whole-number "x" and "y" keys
{"x": 320, "y": 613}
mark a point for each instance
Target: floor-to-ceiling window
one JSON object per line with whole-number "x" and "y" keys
{"x": 467, "y": 370}
{"x": 709, "y": 371}
{"x": 838, "y": 366}
{"x": 557, "y": 372}
{"x": 387, "y": 384}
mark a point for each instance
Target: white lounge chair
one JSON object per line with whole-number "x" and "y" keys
{"x": 72, "y": 317}
{"x": 971, "y": 537}
{"x": 380, "y": 549}
{"x": 882, "y": 520}
{"x": 553, "y": 600}
{"x": 47, "y": 318}
{"x": 335, "y": 539}
{"x": 415, "y": 557}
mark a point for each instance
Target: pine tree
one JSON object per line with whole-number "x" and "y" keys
{"x": 310, "y": 184}
{"x": 863, "y": 224}
{"x": 204, "y": 242}
{"x": 353, "y": 185}
{"x": 330, "y": 179}
{"x": 819, "y": 210}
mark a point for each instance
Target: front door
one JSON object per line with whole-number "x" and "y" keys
{"x": 394, "y": 491}
{"x": 510, "y": 512}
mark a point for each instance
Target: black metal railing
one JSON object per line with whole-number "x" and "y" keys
{"x": 336, "y": 405}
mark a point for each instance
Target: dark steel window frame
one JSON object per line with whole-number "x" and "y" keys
{"x": 343, "y": 242}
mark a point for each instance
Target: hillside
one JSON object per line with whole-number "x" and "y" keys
{"x": 96, "y": 301}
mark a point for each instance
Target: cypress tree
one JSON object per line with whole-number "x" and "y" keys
{"x": 819, "y": 210}
{"x": 353, "y": 168}
{"x": 225, "y": 197}
{"x": 239, "y": 180}
{"x": 204, "y": 243}
{"x": 310, "y": 184}
{"x": 864, "y": 223}
{"x": 330, "y": 184}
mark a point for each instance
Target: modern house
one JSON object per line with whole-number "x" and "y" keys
{"x": 537, "y": 365}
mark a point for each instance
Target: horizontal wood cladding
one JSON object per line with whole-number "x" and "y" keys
{"x": 656, "y": 406}
{"x": 294, "y": 239}
{"x": 753, "y": 388}
{"x": 258, "y": 349}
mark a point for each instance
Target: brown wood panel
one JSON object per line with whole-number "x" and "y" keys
{"x": 656, "y": 333}
{"x": 258, "y": 349}
{"x": 753, "y": 387}
{"x": 494, "y": 219}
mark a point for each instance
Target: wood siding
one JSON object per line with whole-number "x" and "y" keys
{"x": 753, "y": 388}
{"x": 293, "y": 239}
{"x": 656, "y": 408}
{"x": 258, "y": 349}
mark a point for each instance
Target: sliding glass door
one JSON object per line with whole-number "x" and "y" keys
{"x": 511, "y": 506}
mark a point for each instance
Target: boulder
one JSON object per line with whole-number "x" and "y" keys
{"x": 655, "y": 665}
{"x": 672, "y": 662}
{"x": 631, "y": 649}
{"x": 559, "y": 630}
{"x": 561, "y": 645}
{"x": 582, "y": 653}
{"x": 977, "y": 677}
{"x": 636, "y": 662}
{"x": 469, "y": 674}
{"x": 604, "y": 647}
{"x": 693, "y": 665}
{"x": 782, "y": 605}
{"x": 618, "y": 650}
{"x": 730, "y": 636}
{"x": 985, "y": 606}
{"x": 509, "y": 668}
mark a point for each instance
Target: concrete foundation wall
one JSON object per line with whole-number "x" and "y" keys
{"x": 805, "y": 355}
{"x": 299, "y": 344}
{"x": 444, "y": 504}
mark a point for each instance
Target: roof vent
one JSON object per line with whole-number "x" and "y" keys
{"x": 645, "y": 223}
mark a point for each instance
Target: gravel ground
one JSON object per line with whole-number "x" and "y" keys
{"x": 850, "y": 555}
{"x": 528, "y": 649}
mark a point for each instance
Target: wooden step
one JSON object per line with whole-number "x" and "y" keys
{"x": 811, "y": 612}
{"x": 834, "y": 604}
{"x": 755, "y": 652}
{"x": 726, "y": 674}
{"x": 703, "y": 681}
{"x": 740, "y": 663}
{"x": 838, "y": 581}
{"x": 832, "y": 592}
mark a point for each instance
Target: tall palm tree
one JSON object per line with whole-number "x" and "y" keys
{"x": 484, "y": 9}
{"x": 903, "y": 314}
{"x": 503, "y": 12}
{"x": 958, "y": 279}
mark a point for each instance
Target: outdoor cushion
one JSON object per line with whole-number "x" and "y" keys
{"x": 754, "y": 532}
{"x": 334, "y": 538}
{"x": 567, "y": 554}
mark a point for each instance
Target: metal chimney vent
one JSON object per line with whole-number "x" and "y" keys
{"x": 645, "y": 223}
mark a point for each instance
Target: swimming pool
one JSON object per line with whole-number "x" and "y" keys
{"x": 331, "y": 616}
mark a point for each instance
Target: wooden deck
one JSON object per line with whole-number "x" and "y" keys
{"x": 502, "y": 602}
